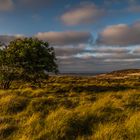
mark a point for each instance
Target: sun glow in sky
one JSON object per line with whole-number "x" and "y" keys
{"x": 88, "y": 36}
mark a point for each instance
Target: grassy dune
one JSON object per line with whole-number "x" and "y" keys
{"x": 105, "y": 107}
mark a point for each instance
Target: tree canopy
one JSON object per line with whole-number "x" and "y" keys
{"x": 28, "y": 59}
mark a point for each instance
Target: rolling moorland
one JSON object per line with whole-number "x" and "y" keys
{"x": 102, "y": 107}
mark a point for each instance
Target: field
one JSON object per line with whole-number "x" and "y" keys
{"x": 104, "y": 107}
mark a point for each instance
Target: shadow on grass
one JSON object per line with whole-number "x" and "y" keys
{"x": 87, "y": 88}
{"x": 97, "y": 89}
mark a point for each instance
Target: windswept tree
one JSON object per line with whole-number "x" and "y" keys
{"x": 28, "y": 59}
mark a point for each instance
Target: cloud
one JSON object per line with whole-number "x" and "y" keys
{"x": 108, "y": 50}
{"x": 110, "y": 53}
{"x": 65, "y": 38}
{"x": 8, "y": 38}
{"x": 93, "y": 64}
{"x": 99, "y": 60}
{"x": 81, "y": 51}
{"x": 96, "y": 59}
{"x": 6, "y": 5}
{"x": 120, "y": 35}
{"x": 69, "y": 50}
{"x": 69, "y": 39}
{"x": 76, "y": 58}
{"x": 136, "y": 50}
{"x": 84, "y": 14}
{"x": 120, "y": 57}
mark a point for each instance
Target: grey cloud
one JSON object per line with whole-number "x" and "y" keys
{"x": 120, "y": 35}
{"x": 113, "y": 54}
{"x": 108, "y": 50}
{"x": 69, "y": 50}
{"x": 68, "y": 39}
{"x": 136, "y": 50}
{"x": 96, "y": 59}
{"x": 65, "y": 38}
{"x": 93, "y": 64}
{"x": 77, "y": 64}
{"x": 81, "y": 50}
{"x": 84, "y": 14}
{"x": 120, "y": 56}
{"x": 8, "y": 38}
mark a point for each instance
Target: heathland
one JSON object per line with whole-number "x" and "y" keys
{"x": 103, "y": 107}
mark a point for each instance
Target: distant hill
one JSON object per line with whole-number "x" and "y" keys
{"x": 80, "y": 73}
{"x": 127, "y": 73}
{"x": 115, "y": 73}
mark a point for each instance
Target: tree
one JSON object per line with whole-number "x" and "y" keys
{"x": 29, "y": 59}
{"x": 7, "y": 73}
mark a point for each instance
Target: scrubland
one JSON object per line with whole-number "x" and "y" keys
{"x": 105, "y": 107}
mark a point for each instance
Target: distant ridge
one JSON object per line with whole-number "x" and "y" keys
{"x": 125, "y": 71}
{"x": 119, "y": 74}
{"x": 81, "y": 73}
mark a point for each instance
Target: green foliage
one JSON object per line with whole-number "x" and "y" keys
{"x": 28, "y": 59}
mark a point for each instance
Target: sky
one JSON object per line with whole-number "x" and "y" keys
{"x": 87, "y": 35}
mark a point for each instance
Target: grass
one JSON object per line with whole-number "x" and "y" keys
{"x": 72, "y": 108}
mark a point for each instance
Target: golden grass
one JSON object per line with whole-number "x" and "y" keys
{"x": 72, "y": 108}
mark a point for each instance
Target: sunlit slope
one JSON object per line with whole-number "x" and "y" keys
{"x": 105, "y": 107}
